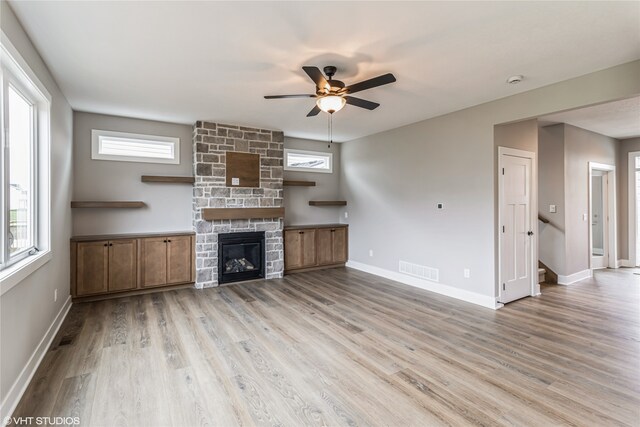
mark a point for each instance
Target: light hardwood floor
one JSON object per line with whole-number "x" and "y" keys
{"x": 341, "y": 347}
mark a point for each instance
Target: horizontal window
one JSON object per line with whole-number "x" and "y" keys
{"x": 131, "y": 147}
{"x": 308, "y": 161}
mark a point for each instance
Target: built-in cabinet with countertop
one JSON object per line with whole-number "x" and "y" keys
{"x": 103, "y": 265}
{"x": 315, "y": 246}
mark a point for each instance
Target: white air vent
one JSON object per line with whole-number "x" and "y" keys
{"x": 420, "y": 271}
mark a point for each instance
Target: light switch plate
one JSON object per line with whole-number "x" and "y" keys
{"x": 552, "y": 208}
{"x": 584, "y": 217}
{"x": 235, "y": 181}
{"x": 440, "y": 205}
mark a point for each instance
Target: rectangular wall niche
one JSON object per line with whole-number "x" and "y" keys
{"x": 243, "y": 169}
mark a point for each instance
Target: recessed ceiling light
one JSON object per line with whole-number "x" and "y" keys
{"x": 514, "y": 80}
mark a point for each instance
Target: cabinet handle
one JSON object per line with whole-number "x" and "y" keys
{"x": 110, "y": 244}
{"x": 164, "y": 241}
{"x": 333, "y": 230}
{"x": 106, "y": 244}
{"x": 300, "y": 232}
{"x": 169, "y": 240}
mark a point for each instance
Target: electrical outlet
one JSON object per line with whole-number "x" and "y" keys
{"x": 346, "y": 214}
{"x": 467, "y": 273}
{"x": 370, "y": 252}
{"x": 552, "y": 208}
{"x": 55, "y": 295}
{"x": 235, "y": 181}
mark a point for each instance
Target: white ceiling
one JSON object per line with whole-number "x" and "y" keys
{"x": 619, "y": 119}
{"x": 182, "y": 61}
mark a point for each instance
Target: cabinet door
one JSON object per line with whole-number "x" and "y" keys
{"x": 123, "y": 265}
{"x": 92, "y": 273}
{"x": 154, "y": 261}
{"x": 292, "y": 249}
{"x": 339, "y": 245}
{"x": 324, "y": 251}
{"x": 308, "y": 248}
{"x": 179, "y": 259}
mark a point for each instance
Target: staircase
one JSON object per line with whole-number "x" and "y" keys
{"x": 546, "y": 275}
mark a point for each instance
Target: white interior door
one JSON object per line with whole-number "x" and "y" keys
{"x": 516, "y": 237}
{"x": 599, "y": 219}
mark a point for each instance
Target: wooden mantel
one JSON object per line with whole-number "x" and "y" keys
{"x": 211, "y": 214}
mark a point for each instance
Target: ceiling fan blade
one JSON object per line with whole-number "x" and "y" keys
{"x": 371, "y": 83}
{"x": 288, "y": 96}
{"x": 314, "y": 111}
{"x": 362, "y": 103}
{"x": 316, "y": 75}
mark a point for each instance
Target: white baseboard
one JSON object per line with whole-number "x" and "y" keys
{"x": 624, "y": 263}
{"x": 575, "y": 277}
{"x": 20, "y": 385}
{"x": 439, "y": 288}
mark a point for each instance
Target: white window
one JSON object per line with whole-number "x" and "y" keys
{"x": 132, "y": 147}
{"x": 308, "y": 161}
{"x": 24, "y": 118}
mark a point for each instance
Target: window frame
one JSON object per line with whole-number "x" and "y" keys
{"x": 7, "y": 259}
{"x": 98, "y": 134}
{"x": 324, "y": 154}
{"x": 14, "y": 69}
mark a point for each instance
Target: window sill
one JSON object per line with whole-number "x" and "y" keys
{"x": 20, "y": 271}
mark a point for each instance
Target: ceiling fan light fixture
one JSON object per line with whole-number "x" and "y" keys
{"x": 331, "y": 103}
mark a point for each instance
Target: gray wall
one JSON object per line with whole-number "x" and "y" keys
{"x": 28, "y": 309}
{"x": 393, "y": 180}
{"x": 581, "y": 147}
{"x": 551, "y": 238}
{"x": 626, "y": 146}
{"x": 296, "y": 199}
{"x": 168, "y": 205}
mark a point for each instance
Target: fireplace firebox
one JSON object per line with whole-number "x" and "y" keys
{"x": 241, "y": 256}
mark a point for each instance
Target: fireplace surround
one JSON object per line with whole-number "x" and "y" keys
{"x": 211, "y": 143}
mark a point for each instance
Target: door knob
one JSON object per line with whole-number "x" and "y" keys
{"x": 529, "y": 233}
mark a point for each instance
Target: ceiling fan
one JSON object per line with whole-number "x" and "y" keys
{"x": 331, "y": 95}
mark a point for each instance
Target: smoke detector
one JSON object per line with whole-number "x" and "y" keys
{"x": 514, "y": 80}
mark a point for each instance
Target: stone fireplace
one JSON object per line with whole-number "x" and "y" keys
{"x": 211, "y": 143}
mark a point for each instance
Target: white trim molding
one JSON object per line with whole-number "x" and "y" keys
{"x": 575, "y": 277}
{"x": 612, "y": 242}
{"x": 18, "y": 388}
{"x": 631, "y": 205}
{"x": 438, "y": 288}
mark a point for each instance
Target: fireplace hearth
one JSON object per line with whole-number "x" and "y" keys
{"x": 241, "y": 256}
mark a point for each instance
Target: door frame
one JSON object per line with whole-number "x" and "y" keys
{"x": 506, "y": 151}
{"x": 631, "y": 202}
{"x": 612, "y": 261}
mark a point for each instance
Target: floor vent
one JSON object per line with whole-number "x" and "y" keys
{"x": 420, "y": 271}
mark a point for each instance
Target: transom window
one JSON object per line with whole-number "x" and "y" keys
{"x": 308, "y": 161}
{"x": 132, "y": 147}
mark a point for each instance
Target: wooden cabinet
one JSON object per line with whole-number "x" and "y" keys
{"x": 332, "y": 246}
{"x": 106, "y": 266}
{"x": 308, "y": 247}
{"x": 166, "y": 260}
{"x": 300, "y": 249}
{"x": 109, "y": 264}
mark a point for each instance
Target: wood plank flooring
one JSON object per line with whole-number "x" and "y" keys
{"x": 341, "y": 347}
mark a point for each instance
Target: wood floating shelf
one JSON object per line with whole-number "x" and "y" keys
{"x": 210, "y": 214}
{"x": 109, "y": 205}
{"x": 169, "y": 179}
{"x": 299, "y": 183}
{"x": 327, "y": 203}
